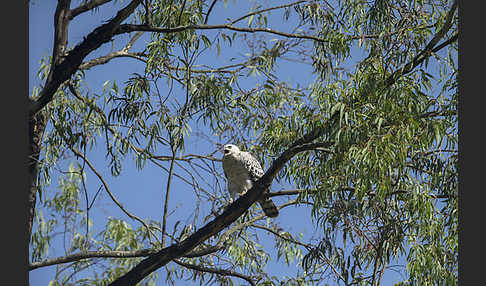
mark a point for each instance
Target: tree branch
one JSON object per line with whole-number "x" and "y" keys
{"x": 86, "y": 6}
{"x": 105, "y": 185}
{"x": 215, "y": 271}
{"x": 121, "y": 53}
{"x": 148, "y": 12}
{"x": 209, "y": 11}
{"x": 37, "y": 126}
{"x": 307, "y": 246}
{"x": 231, "y": 214}
{"x": 146, "y": 252}
{"x": 167, "y": 192}
{"x": 107, "y": 58}
{"x": 289, "y": 239}
{"x": 91, "y": 254}
{"x": 127, "y": 28}
{"x": 62, "y": 71}
{"x": 266, "y": 10}
{"x": 429, "y": 48}
{"x": 188, "y": 157}
{"x": 61, "y": 24}
{"x": 290, "y": 192}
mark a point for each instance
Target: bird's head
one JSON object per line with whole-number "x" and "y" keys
{"x": 230, "y": 149}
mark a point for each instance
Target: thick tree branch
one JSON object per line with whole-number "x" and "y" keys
{"x": 38, "y": 121}
{"x": 61, "y": 24}
{"x": 60, "y": 72}
{"x": 118, "y": 54}
{"x": 146, "y": 252}
{"x": 231, "y": 214}
{"x": 429, "y": 48}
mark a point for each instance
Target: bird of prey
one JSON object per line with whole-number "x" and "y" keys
{"x": 242, "y": 170}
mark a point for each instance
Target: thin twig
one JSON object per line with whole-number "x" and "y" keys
{"x": 180, "y": 14}
{"x": 107, "y": 189}
{"x": 167, "y": 192}
{"x": 127, "y": 28}
{"x": 307, "y": 246}
{"x": 266, "y": 10}
{"x": 146, "y": 252}
{"x": 86, "y": 6}
{"x": 289, "y": 239}
{"x": 215, "y": 271}
{"x": 209, "y": 11}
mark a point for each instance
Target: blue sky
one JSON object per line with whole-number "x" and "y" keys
{"x": 141, "y": 192}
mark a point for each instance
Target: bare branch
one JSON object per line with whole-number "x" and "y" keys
{"x": 167, "y": 192}
{"x": 92, "y": 254}
{"x": 127, "y": 28}
{"x": 112, "y": 196}
{"x": 61, "y": 24}
{"x": 60, "y": 72}
{"x": 121, "y": 53}
{"x": 209, "y": 11}
{"x": 188, "y": 157}
{"x": 180, "y": 14}
{"x": 216, "y": 271}
{"x": 105, "y": 59}
{"x": 266, "y": 10}
{"x": 290, "y": 192}
{"x": 86, "y": 6}
{"x": 148, "y": 12}
{"x": 287, "y": 238}
{"x": 132, "y": 41}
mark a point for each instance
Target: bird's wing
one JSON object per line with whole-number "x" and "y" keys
{"x": 252, "y": 165}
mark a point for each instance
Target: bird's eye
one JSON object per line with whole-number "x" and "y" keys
{"x": 229, "y": 147}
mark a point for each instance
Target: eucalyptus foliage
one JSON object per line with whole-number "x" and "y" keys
{"x": 380, "y": 192}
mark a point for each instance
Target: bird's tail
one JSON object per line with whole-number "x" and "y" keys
{"x": 268, "y": 207}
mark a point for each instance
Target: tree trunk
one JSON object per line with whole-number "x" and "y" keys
{"x": 37, "y": 125}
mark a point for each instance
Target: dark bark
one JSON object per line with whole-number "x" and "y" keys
{"x": 37, "y": 125}
{"x": 38, "y": 121}
{"x": 231, "y": 214}
{"x": 429, "y": 48}
{"x": 63, "y": 66}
